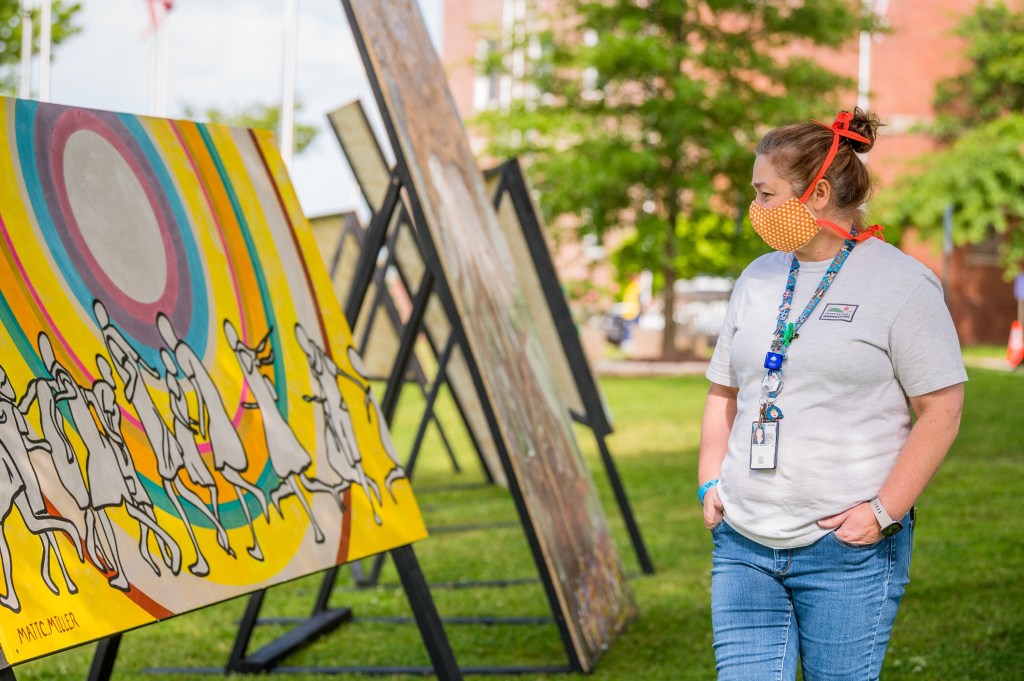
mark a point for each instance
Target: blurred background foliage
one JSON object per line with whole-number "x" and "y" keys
{"x": 978, "y": 172}
{"x": 643, "y": 115}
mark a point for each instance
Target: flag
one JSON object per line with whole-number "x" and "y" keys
{"x": 157, "y": 8}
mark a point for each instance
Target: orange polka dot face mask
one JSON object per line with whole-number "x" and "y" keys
{"x": 786, "y": 227}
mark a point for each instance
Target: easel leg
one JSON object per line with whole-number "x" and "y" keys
{"x": 425, "y": 612}
{"x": 245, "y": 627}
{"x": 326, "y": 586}
{"x": 627, "y": 512}
{"x": 103, "y": 660}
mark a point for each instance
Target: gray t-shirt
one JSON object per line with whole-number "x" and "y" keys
{"x": 881, "y": 333}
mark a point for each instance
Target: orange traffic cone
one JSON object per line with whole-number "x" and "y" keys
{"x": 1015, "y": 346}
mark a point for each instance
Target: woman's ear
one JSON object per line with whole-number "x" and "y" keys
{"x": 821, "y": 196}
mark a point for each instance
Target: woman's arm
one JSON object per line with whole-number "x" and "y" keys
{"x": 719, "y": 415}
{"x": 938, "y": 420}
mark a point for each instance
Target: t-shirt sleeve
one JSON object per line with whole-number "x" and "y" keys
{"x": 923, "y": 344}
{"x": 720, "y": 369}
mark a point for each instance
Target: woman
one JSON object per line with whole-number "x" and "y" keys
{"x": 813, "y": 536}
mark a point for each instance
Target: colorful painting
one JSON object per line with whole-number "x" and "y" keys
{"x": 182, "y": 413}
{"x": 449, "y": 199}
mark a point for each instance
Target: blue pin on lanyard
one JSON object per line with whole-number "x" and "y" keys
{"x": 786, "y": 332}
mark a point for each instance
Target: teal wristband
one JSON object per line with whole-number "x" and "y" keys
{"x": 704, "y": 490}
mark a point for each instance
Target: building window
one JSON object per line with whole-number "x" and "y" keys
{"x": 486, "y": 86}
{"x": 984, "y": 253}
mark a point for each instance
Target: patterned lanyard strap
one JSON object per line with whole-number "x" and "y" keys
{"x": 786, "y": 332}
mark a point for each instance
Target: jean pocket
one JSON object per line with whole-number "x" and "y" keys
{"x": 717, "y": 528}
{"x": 853, "y": 547}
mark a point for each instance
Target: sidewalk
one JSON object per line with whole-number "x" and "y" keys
{"x": 641, "y": 367}
{"x": 994, "y": 363}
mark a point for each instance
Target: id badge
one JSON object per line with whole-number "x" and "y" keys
{"x": 764, "y": 445}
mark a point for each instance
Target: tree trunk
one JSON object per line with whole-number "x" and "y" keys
{"x": 668, "y": 297}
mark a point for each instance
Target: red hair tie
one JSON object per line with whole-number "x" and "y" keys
{"x": 840, "y": 128}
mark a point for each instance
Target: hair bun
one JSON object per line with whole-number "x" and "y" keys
{"x": 866, "y": 124}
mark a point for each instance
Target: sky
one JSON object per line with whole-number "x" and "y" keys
{"x": 228, "y": 54}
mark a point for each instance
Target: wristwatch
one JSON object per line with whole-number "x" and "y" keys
{"x": 888, "y": 525}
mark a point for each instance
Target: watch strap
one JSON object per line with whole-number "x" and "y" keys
{"x": 881, "y": 515}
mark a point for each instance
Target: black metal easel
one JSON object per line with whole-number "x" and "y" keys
{"x": 430, "y": 283}
{"x": 376, "y": 180}
{"x": 368, "y": 168}
{"x": 512, "y": 186}
{"x": 384, "y": 305}
{"x": 375, "y": 239}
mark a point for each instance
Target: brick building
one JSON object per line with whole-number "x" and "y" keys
{"x": 905, "y": 65}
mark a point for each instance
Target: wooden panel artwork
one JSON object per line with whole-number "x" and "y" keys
{"x": 452, "y": 202}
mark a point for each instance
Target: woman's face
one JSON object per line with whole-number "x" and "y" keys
{"x": 771, "y": 190}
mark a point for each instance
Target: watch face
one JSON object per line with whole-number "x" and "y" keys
{"x": 891, "y": 529}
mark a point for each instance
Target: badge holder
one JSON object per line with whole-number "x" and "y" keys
{"x": 764, "y": 432}
{"x": 764, "y": 445}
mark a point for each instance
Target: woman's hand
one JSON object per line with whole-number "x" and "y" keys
{"x": 856, "y": 525}
{"x": 714, "y": 512}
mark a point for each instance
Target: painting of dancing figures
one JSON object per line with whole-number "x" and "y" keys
{"x": 183, "y": 415}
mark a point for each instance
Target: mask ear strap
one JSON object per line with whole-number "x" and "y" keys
{"x": 872, "y": 231}
{"x": 840, "y": 128}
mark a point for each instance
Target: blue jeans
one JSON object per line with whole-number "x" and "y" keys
{"x": 829, "y": 605}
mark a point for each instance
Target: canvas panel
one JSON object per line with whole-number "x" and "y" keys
{"x": 182, "y": 414}
{"x": 364, "y": 155}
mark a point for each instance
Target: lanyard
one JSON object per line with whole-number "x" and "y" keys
{"x": 786, "y": 332}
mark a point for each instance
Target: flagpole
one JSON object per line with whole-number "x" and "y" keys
{"x": 158, "y": 60}
{"x": 869, "y": 8}
{"x": 45, "y": 42}
{"x": 161, "y": 40}
{"x": 25, "y": 79}
{"x": 291, "y": 39}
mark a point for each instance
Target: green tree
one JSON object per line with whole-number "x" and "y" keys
{"x": 644, "y": 113}
{"x": 993, "y": 84}
{"x": 978, "y": 172}
{"x": 64, "y": 15}
{"x": 262, "y": 116}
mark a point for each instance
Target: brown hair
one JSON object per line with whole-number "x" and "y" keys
{"x": 797, "y": 151}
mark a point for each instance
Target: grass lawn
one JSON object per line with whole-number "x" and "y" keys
{"x": 962, "y": 617}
